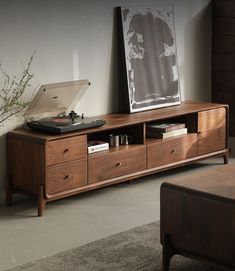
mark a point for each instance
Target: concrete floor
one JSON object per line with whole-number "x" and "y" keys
{"x": 83, "y": 218}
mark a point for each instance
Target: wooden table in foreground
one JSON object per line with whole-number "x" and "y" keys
{"x": 198, "y": 217}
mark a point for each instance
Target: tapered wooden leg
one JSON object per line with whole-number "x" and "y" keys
{"x": 41, "y": 202}
{"x": 9, "y": 193}
{"x": 167, "y": 253}
{"x": 225, "y": 158}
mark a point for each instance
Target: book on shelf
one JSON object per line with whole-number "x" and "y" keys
{"x": 177, "y": 132}
{"x": 165, "y": 127}
{"x": 97, "y": 145}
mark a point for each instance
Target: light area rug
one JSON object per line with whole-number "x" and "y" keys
{"x": 137, "y": 249}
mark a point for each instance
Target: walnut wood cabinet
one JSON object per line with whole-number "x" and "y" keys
{"x": 223, "y": 56}
{"x": 51, "y": 166}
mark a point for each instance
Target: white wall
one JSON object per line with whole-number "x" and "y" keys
{"x": 74, "y": 39}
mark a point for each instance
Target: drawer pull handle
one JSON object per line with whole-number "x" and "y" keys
{"x": 67, "y": 177}
{"x": 199, "y": 132}
{"x": 173, "y": 151}
{"x": 118, "y": 164}
{"x": 66, "y": 150}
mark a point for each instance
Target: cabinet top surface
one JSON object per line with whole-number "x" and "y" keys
{"x": 118, "y": 120}
{"x": 218, "y": 181}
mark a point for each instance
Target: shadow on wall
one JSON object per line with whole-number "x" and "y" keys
{"x": 197, "y": 58}
{"x": 114, "y": 67}
{"x": 118, "y": 86}
{"x": 113, "y": 79}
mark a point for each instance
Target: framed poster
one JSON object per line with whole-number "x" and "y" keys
{"x": 150, "y": 57}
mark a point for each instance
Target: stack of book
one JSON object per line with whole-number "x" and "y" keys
{"x": 97, "y": 145}
{"x": 166, "y": 130}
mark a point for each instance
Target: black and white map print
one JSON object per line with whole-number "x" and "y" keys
{"x": 150, "y": 51}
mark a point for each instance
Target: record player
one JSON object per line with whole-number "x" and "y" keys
{"x": 51, "y": 109}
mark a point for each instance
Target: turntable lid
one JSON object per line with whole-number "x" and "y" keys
{"x": 54, "y": 99}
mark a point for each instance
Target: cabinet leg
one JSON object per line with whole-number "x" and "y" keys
{"x": 225, "y": 158}
{"x": 9, "y": 193}
{"x": 167, "y": 253}
{"x": 41, "y": 202}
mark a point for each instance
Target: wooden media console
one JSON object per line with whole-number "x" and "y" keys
{"x": 51, "y": 166}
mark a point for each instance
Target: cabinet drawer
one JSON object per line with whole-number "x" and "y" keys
{"x": 117, "y": 163}
{"x": 66, "y": 176}
{"x": 166, "y": 151}
{"x": 64, "y": 150}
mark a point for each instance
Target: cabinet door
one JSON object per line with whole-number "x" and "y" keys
{"x": 211, "y": 130}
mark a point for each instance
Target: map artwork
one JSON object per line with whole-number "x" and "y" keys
{"x": 150, "y": 54}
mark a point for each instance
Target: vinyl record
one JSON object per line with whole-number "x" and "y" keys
{"x": 65, "y": 120}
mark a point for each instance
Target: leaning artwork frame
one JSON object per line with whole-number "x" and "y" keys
{"x": 150, "y": 57}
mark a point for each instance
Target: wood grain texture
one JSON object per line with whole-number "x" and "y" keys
{"x": 26, "y": 165}
{"x": 64, "y": 150}
{"x": 223, "y": 44}
{"x": 223, "y": 51}
{"x": 165, "y": 151}
{"x": 218, "y": 182}
{"x": 224, "y": 26}
{"x": 114, "y": 121}
{"x": 212, "y": 131}
{"x": 41, "y": 201}
{"x": 198, "y": 214}
{"x": 224, "y": 8}
{"x": 223, "y": 80}
{"x": 116, "y": 164}
{"x": 134, "y": 175}
{"x": 224, "y": 62}
{"x": 66, "y": 176}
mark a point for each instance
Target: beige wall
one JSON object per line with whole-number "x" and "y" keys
{"x": 75, "y": 39}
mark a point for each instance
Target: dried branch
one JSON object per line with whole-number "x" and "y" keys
{"x": 11, "y": 102}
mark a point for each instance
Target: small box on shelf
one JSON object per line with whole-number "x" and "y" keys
{"x": 96, "y": 146}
